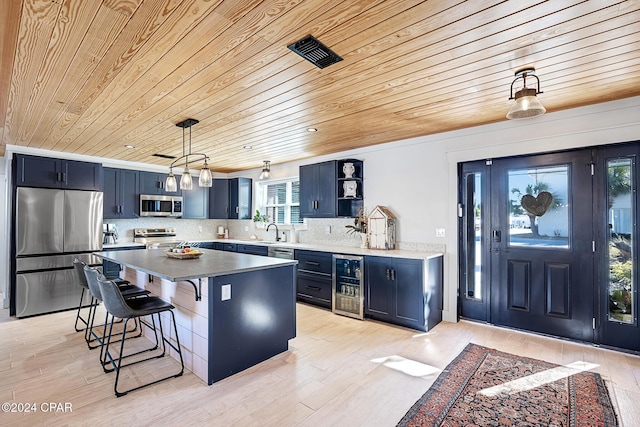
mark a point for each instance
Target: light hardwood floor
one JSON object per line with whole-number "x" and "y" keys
{"x": 338, "y": 372}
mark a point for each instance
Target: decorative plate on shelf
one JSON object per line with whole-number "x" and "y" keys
{"x": 184, "y": 255}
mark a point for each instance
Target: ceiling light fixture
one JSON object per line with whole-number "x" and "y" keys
{"x": 527, "y": 104}
{"x": 312, "y": 130}
{"x": 186, "y": 182}
{"x": 266, "y": 170}
{"x": 129, "y": 146}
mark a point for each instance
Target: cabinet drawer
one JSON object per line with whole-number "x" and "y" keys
{"x": 229, "y": 247}
{"x": 315, "y": 289}
{"x": 317, "y": 262}
{"x": 252, "y": 249}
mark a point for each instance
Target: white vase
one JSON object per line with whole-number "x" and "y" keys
{"x": 364, "y": 240}
{"x": 348, "y": 170}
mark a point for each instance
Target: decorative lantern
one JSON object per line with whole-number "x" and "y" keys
{"x": 381, "y": 228}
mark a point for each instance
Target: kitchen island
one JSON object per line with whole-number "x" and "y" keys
{"x": 233, "y": 310}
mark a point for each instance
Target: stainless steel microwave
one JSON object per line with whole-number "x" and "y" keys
{"x": 153, "y": 205}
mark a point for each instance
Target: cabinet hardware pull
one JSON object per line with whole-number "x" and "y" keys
{"x": 388, "y": 275}
{"x": 315, "y": 288}
{"x": 237, "y": 209}
{"x": 64, "y": 177}
{"x": 393, "y": 274}
{"x": 312, "y": 263}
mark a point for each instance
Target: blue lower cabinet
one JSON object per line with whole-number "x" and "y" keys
{"x": 400, "y": 291}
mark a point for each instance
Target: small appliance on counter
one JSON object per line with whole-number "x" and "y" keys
{"x": 109, "y": 234}
{"x": 347, "y": 297}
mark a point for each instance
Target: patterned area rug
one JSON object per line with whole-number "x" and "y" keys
{"x": 486, "y": 387}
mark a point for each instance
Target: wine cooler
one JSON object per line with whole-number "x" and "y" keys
{"x": 347, "y": 297}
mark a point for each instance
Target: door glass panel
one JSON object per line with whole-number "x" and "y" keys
{"x": 473, "y": 236}
{"x": 539, "y": 207}
{"x": 620, "y": 213}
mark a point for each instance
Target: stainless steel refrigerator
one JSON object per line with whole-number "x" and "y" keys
{"x": 52, "y": 228}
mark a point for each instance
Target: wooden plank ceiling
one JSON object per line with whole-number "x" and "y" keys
{"x": 91, "y": 76}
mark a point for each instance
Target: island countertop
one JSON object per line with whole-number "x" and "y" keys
{"x": 211, "y": 264}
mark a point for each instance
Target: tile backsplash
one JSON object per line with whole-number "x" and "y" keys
{"x": 316, "y": 231}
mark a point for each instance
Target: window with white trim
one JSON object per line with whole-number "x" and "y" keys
{"x": 280, "y": 201}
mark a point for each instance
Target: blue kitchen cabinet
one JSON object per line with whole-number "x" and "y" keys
{"x": 240, "y": 198}
{"x": 318, "y": 190}
{"x": 154, "y": 183}
{"x": 219, "y": 199}
{"x": 47, "y": 172}
{"x": 121, "y": 194}
{"x": 314, "y": 277}
{"x": 230, "y": 198}
{"x": 196, "y": 202}
{"x": 400, "y": 291}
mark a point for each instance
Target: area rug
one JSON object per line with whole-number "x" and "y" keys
{"x": 487, "y": 387}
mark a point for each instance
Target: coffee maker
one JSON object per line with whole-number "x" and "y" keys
{"x": 109, "y": 234}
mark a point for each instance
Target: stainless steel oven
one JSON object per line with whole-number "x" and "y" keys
{"x": 154, "y": 205}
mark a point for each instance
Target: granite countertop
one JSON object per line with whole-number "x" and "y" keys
{"x": 210, "y": 264}
{"x": 346, "y": 250}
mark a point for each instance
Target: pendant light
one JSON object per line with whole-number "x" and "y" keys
{"x": 171, "y": 185}
{"x": 205, "y": 179}
{"x": 186, "y": 181}
{"x": 526, "y": 102}
{"x": 266, "y": 170}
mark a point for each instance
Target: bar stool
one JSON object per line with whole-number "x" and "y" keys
{"x": 128, "y": 309}
{"x": 85, "y": 290}
{"x": 130, "y": 291}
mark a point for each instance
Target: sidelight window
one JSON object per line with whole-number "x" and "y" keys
{"x": 620, "y": 206}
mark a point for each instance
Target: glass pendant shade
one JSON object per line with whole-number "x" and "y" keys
{"x": 170, "y": 184}
{"x": 266, "y": 171}
{"x": 186, "y": 183}
{"x": 205, "y": 180}
{"x": 526, "y": 105}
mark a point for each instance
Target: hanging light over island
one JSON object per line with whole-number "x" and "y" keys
{"x": 186, "y": 182}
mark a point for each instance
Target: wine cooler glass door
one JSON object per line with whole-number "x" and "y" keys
{"x": 347, "y": 295}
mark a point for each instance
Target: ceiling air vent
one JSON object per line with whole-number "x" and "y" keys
{"x": 311, "y": 49}
{"x": 164, "y": 156}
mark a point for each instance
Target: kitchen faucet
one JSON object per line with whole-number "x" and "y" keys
{"x": 277, "y": 232}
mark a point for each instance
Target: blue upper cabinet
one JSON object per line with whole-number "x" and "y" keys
{"x": 318, "y": 190}
{"x": 219, "y": 199}
{"x": 153, "y": 183}
{"x": 240, "y": 198}
{"x": 121, "y": 194}
{"x": 196, "y": 202}
{"x": 46, "y": 172}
